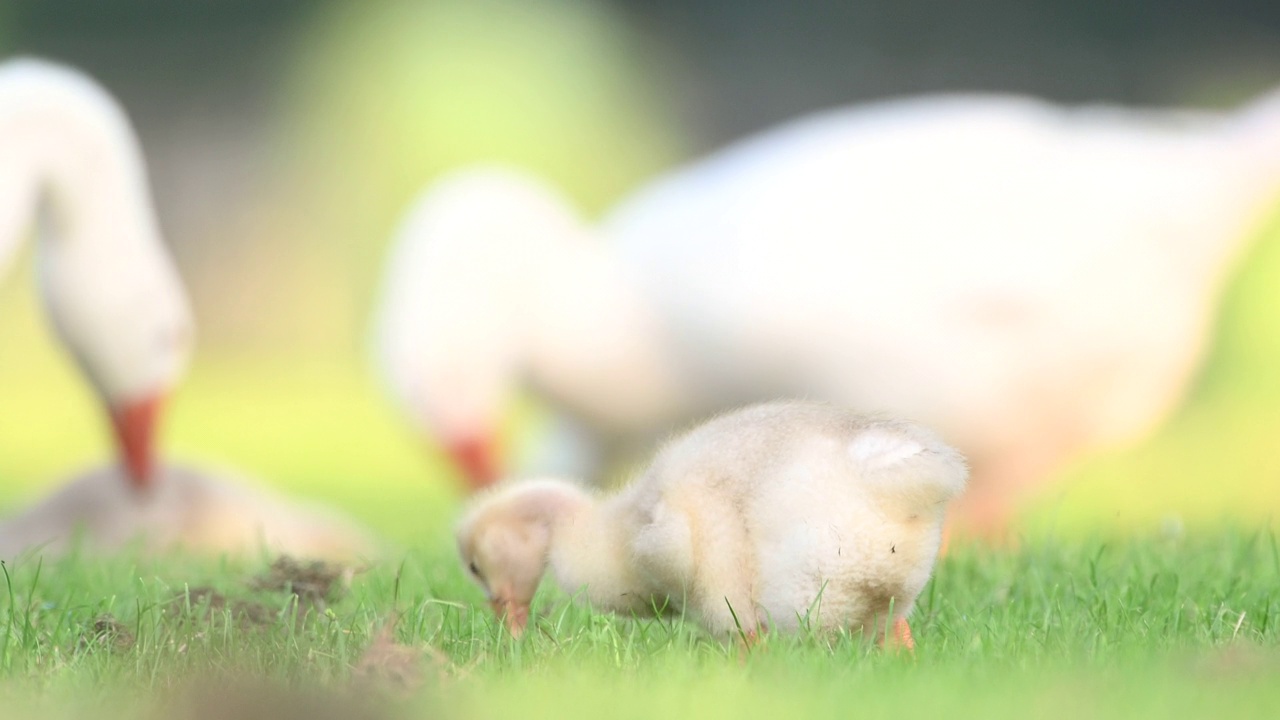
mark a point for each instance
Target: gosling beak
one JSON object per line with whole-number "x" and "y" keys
{"x": 135, "y": 425}
{"x": 477, "y": 457}
{"x": 514, "y": 613}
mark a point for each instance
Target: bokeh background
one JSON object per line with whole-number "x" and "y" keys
{"x": 285, "y": 137}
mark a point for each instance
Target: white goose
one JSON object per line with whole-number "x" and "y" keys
{"x": 107, "y": 281}
{"x": 1033, "y": 281}
{"x": 118, "y": 305}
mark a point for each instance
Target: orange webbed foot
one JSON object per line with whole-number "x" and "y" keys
{"x": 899, "y": 637}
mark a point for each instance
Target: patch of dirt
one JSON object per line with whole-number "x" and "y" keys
{"x": 313, "y": 582}
{"x": 109, "y": 632}
{"x": 245, "y": 612}
{"x": 389, "y": 665}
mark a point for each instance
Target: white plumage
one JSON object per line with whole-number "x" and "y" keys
{"x": 776, "y": 515}
{"x": 1032, "y": 281}
{"x": 69, "y": 159}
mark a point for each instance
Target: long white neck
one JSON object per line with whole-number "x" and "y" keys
{"x": 65, "y": 143}
{"x": 1252, "y": 141}
{"x": 589, "y": 552}
{"x": 597, "y": 345}
{"x": 1258, "y": 126}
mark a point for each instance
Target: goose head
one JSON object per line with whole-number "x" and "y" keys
{"x": 458, "y": 306}
{"x": 127, "y": 324}
{"x": 108, "y": 284}
{"x": 505, "y": 539}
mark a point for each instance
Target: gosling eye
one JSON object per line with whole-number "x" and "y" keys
{"x": 475, "y": 571}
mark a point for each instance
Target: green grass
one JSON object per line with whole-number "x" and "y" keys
{"x": 1096, "y": 616}
{"x": 1153, "y": 627}
{"x": 1126, "y": 624}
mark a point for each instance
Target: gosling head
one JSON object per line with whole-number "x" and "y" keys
{"x": 505, "y": 538}
{"x": 452, "y": 328}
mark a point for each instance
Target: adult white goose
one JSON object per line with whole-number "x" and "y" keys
{"x": 1033, "y": 281}
{"x": 107, "y": 281}
{"x": 495, "y": 279}
{"x": 118, "y": 305}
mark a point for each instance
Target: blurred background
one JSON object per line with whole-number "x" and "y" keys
{"x": 285, "y": 138}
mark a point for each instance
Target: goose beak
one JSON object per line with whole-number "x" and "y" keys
{"x": 134, "y": 424}
{"x": 515, "y": 614}
{"x": 478, "y": 459}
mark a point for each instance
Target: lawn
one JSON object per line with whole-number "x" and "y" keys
{"x": 1130, "y": 596}
{"x": 1163, "y": 626}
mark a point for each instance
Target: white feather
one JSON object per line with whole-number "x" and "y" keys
{"x": 878, "y": 450}
{"x": 108, "y": 282}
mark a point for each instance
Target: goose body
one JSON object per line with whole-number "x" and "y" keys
{"x": 1032, "y": 281}
{"x": 776, "y": 515}
{"x": 189, "y": 509}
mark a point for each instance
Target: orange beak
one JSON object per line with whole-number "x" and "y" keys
{"x": 515, "y": 614}
{"x": 135, "y": 425}
{"x": 478, "y": 459}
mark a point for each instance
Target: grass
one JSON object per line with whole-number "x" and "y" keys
{"x": 1151, "y": 627}
{"x": 1096, "y": 615}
